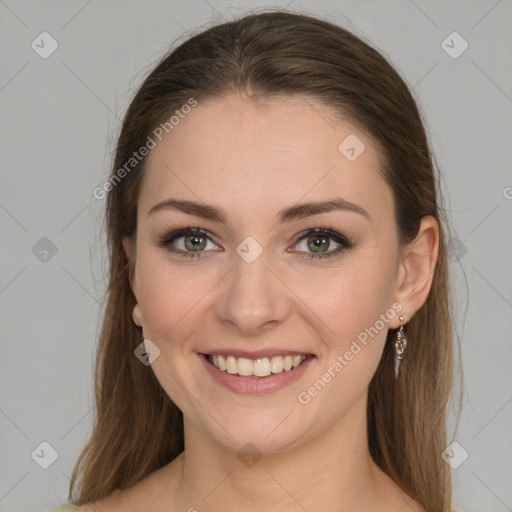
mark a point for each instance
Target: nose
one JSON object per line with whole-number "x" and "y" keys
{"x": 252, "y": 297}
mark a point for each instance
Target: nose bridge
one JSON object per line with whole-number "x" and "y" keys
{"x": 253, "y": 296}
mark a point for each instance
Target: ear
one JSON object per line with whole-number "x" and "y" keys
{"x": 129, "y": 249}
{"x": 416, "y": 270}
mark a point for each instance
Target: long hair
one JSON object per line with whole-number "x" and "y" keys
{"x": 137, "y": 428}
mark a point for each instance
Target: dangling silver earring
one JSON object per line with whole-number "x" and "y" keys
{"x": 400, "y": 344}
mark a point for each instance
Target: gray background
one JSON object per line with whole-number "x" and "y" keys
{"x": 59, "y": 118}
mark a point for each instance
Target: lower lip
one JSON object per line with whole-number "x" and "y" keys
{"x": 256, "y": 385}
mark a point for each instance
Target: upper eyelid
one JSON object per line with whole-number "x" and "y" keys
{"x": 178, "y": 233}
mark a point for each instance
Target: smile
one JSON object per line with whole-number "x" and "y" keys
{"x": 261, "y": 367}
{"x": 256, "y": 376}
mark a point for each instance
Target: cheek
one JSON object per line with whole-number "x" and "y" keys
{"x": 169, "y": 296}
{"x": 352, "y": 332}
{"x": 352, "y": 299}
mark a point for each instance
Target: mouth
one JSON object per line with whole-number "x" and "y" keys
{"x": 259, "y": 368}
{"x": 256, "y": 372}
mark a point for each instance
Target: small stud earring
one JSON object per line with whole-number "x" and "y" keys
{"x": 400, "y": 344}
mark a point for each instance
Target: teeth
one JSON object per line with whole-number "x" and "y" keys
{"x": 244, "y": 366}
{"x": 231, "y": 365}
{"x": 257, "y": 367}
{"x": 276, "y": 365}
{"x": 296, "y": 360}
{"x": 261, "y": 367}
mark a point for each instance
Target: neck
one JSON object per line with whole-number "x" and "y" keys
{"x": 332, "y": 470}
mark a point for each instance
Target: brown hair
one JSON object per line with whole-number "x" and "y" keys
{"x": 137, "y": 428}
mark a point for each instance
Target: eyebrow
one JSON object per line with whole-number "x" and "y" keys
{"x": 296, "y": 212}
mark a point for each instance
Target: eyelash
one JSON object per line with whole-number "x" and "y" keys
{"x": 345, "y": 244}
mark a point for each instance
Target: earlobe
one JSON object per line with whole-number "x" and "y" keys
{"x": 417, "y": 268}
{"x": 137, "y": 315}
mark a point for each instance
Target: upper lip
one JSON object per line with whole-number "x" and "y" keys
{"x": 256, "y": 354}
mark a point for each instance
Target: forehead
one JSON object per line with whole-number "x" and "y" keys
{"x": 242, "y": 153}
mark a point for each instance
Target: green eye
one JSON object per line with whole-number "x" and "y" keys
{"x": 194, "y": 242}
{"x": 317, "y": 243}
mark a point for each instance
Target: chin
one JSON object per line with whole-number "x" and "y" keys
{"x": 265, "y": 432}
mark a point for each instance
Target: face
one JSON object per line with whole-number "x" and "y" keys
{"x": 255, "y": 285}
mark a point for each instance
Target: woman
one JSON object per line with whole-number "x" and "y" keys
{"x": 277, "y": 241}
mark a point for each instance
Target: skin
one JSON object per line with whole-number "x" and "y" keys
{"x": 253, "y": 159}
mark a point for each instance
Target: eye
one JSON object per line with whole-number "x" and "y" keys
{"x": 187, "y": 242}
{"x": 319, "y": 241}
{"x": 190, "y": 242}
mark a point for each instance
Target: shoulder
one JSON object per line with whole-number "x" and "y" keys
{"x": 76, "y": 508}
{"x": 89, "y": 507}
{"x": 149, "y": 490}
